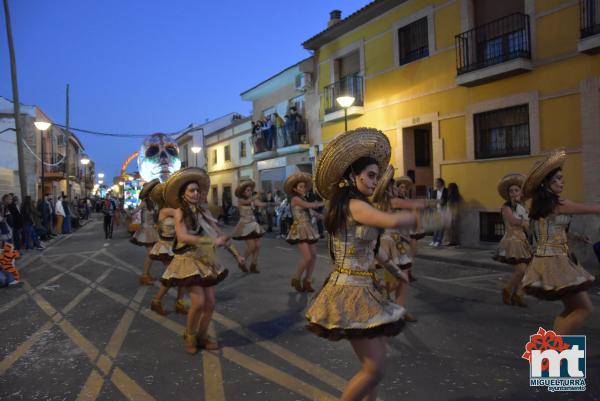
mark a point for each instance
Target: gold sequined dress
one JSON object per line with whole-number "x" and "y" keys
{"x": 194, "y": 264}
{"x": 163, "y": 249}
{"x": 146, "y": 235}
{"x": 552, "y": 274}
{"x": 302, "y": 229}
{"x": 514, "y": 247}
{"x": 247, "y": 227}
{"x": 349, "y": 305}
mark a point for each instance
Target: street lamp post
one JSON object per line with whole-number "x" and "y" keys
{"x": 85, "y": 161}
{"x": 345, "y": 101}
{"x": 196, "y": 149}
{"x": 42, "y": 126}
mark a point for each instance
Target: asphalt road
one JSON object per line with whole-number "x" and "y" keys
{"x": 80, "y": 329}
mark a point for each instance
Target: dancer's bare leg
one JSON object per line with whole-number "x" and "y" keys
{"x": 362, "y": 387}
{"x": 305, "y": 252}
{"x": 207, "y": 311}
{"x": 197, "y": 299}
{"x": 578, "y": 308}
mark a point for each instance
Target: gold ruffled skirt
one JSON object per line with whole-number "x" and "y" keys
{"x": 552, "y": 277}
{"x": 247, "y": 231}
{"x": 513, "y": 251}
{"x": 302, "y": 232}
{"x": 162, "y": 250}
{"x": 193, "y": 268}
{"x": 353, "y": 311}
{"x": 145, "y": 236}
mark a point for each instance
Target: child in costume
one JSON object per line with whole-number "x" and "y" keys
{"x": 8, "y": 264}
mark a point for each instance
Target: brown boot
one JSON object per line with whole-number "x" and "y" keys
{"x": 180, "y": 307}
{"x": 243, "y": 267}
{"x": 190, "y": 343}
{"x": 297, "y": 285}
{"x": 409, "y": 317}
{"x": 156, "y": 306}
{"x": 306, "y": 284}
{"x": 145, "y": 279}
{"x": 506, "y": 296}
{"x": 207, "y": 343}
{"x": 253, "y": 268}
{"x": 517, "y": 299}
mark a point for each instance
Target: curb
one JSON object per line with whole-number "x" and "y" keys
{"x": 467, "y": 262}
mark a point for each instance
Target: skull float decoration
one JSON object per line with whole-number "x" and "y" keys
{"x": 158, "y": 157}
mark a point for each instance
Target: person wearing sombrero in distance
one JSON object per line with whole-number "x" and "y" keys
{"x": 349, "y": 305}
{"x": 193, "y": 266}
{"x": 247, "y": 228}
{"x": 514, "y": 248}
{"x": 302, "y": 232}
{"x": 552, "y": 274}
{"x": 147, "y": 235}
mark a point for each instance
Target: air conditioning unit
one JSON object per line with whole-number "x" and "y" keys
{"x": 303, "y": 82}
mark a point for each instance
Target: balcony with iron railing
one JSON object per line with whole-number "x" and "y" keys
{"x": 54, "y": 165}
{"x": 494, "y": 50}
{"x": 589, "y": 19}
{"x": 350, "y": 85}
{"x": 280, "y": 140}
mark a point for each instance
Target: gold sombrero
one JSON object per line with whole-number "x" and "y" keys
{"x": 239, "y": 191}
{"x": 157, "y": 195}
{"x": 541, "y": 169}
{"x": 294, "y": 179}
{"x": 383, "y": 183}
{"x": 508, "y": 181}
{"x": 406, "y": 180}
{"x": 147, "y": 188}
{"x": 175, "y": 182}
{"x": 344, "y": 150}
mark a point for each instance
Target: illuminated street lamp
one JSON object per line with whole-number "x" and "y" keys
{"x": 345, "y": 102}
{"x": 85, "y": 161}
{"x": 43, "y": 127}
{"x": 196, "y": 149}
{"x": 100, "y": 175}
{"x": 100, "y": 182}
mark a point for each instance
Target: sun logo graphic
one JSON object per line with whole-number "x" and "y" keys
{"x": 556, "y": 362}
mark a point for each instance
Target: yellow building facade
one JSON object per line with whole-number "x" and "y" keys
{"x": 469, "y": 91}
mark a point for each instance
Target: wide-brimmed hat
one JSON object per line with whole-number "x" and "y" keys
{"x": 294, "y": 179}
{"x": 508, "y": 181}
{"x": 383, "y": 183}
{"x": 239, "y": 191}
{"x": 147, "y": 188}
{"x": 157, "y": 195}
{"x": 176, "y": 181}
{"x": 406, "y": 180}
{"x": 342, "y": 151}
{"x": 541, "y": 169}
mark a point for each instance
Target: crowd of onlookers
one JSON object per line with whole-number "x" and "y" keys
{"x": 274, "y": 131}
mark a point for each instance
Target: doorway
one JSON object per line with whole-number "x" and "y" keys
{"x": 418, "y": 157}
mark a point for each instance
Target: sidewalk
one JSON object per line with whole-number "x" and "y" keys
{"x": 475, "y": 257}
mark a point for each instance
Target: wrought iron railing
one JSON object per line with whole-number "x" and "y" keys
{"x": 54, "y": 163}
{"x": 588, "y": 17}
{"x": 493, "y": 43}
{"x": 280, "y": 136}
{"x": 350, "y": 85}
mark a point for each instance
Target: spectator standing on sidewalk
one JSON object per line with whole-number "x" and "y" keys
{"x": 60, "y": 215}
{"x": 15, "y": 211}
{"x": 66, "y": 228}
{"x": 30, "y": 216}
{"x": 5, "y": 229}
{"x": 454, "y": 202}
{"x": 441, "y": 197}
{"x": 46, "y": 210}
{"x": 269, "y": 210}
